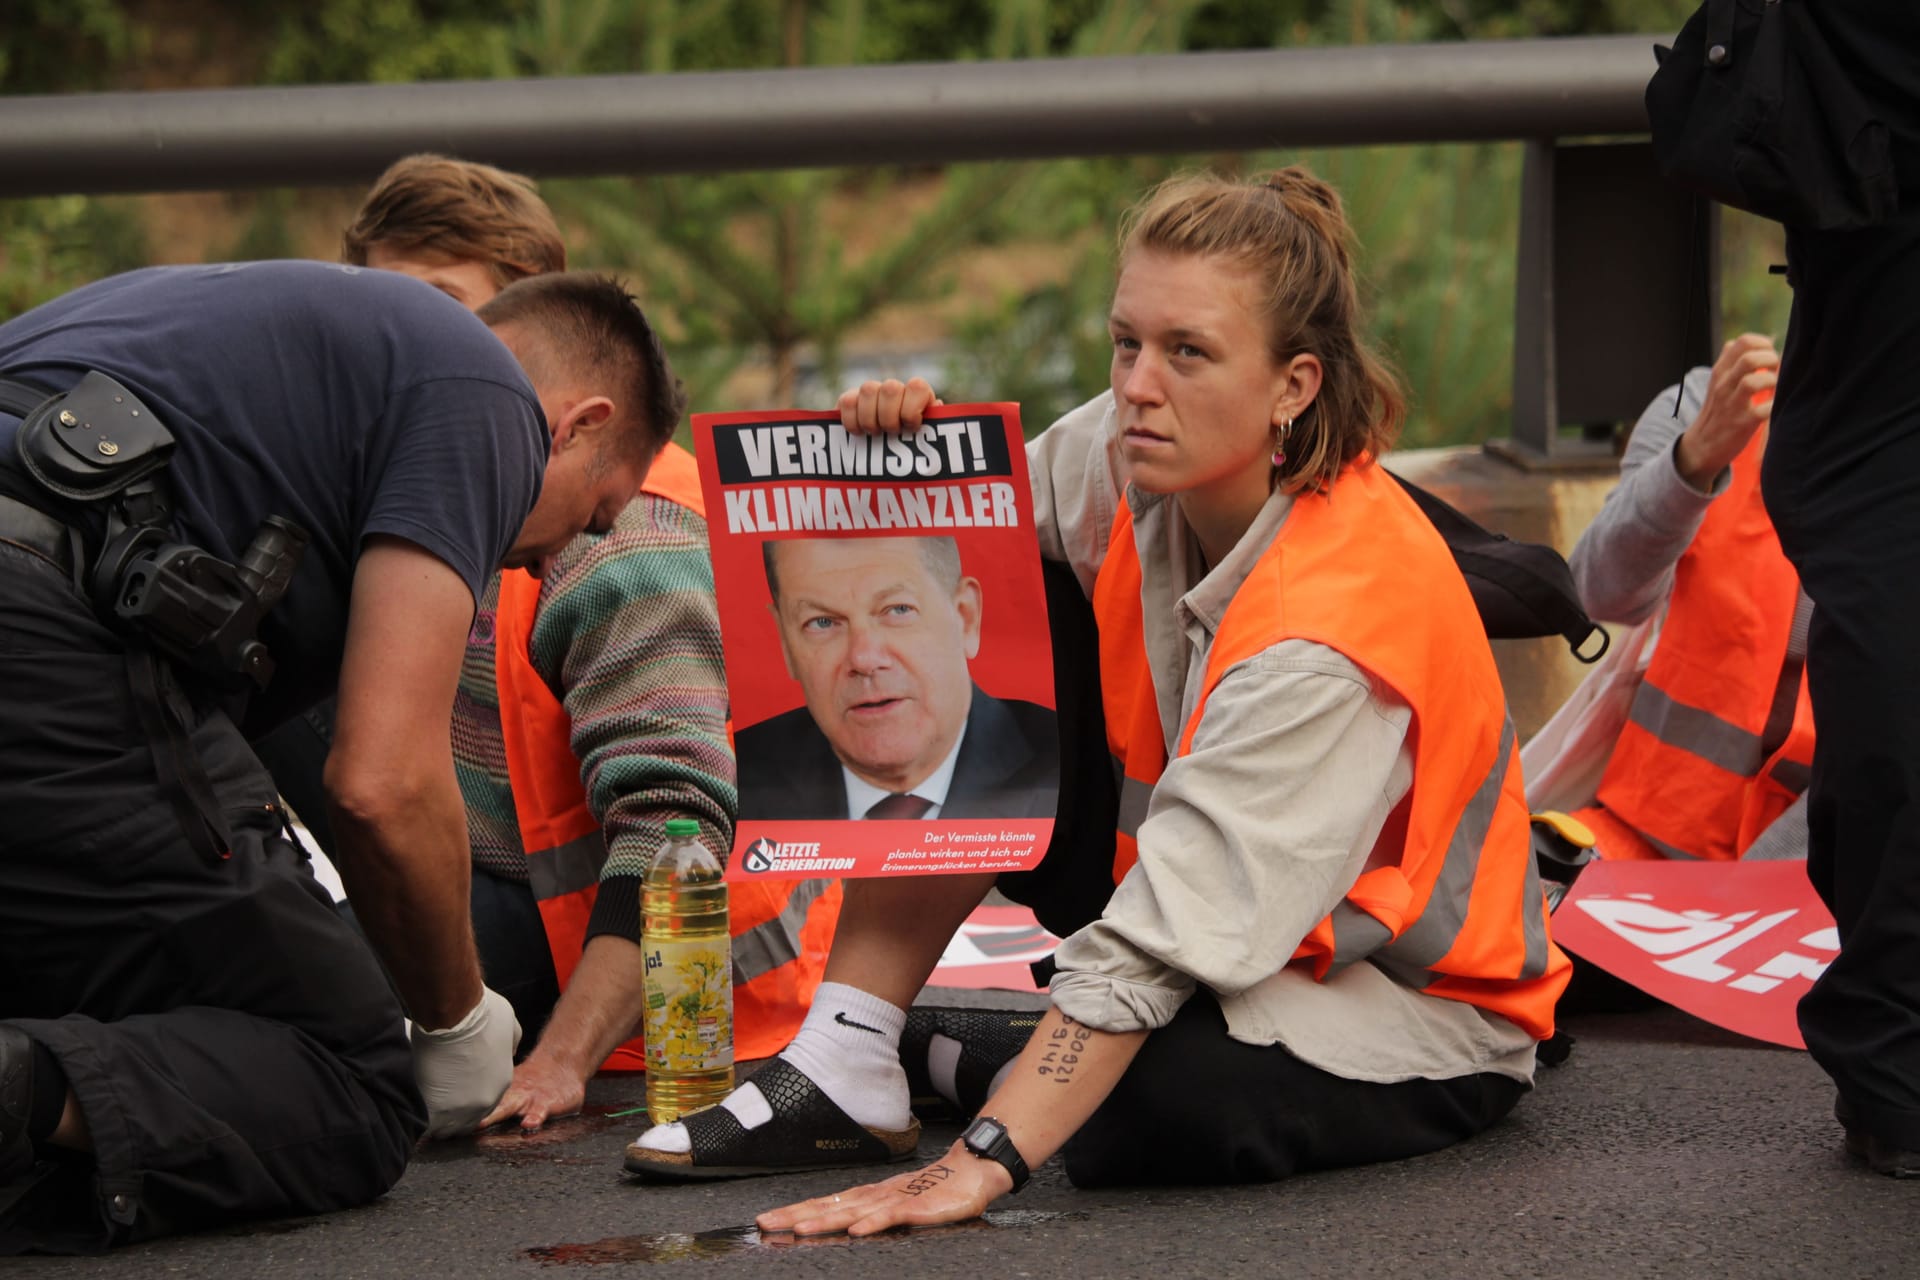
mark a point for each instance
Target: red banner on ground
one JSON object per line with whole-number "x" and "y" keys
{"x": 1734, "y": 943}
{"x": 994, "y": 950}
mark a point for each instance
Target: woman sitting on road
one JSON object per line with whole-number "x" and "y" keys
{"x": 1326, "y": 945}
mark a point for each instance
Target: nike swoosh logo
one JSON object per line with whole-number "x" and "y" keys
{"x": 845, "y": 1021}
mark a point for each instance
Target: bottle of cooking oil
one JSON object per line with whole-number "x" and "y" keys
{"x": 689, "y": 964}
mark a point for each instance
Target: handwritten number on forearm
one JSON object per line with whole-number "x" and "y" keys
{"x": 1063, "y": 1050}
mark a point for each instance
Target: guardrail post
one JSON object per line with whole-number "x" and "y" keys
{"x": 1617, "y": 293}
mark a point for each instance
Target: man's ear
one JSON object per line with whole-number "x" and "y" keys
{"x": 582, "y": 422}
{"x": 968, "y": 603}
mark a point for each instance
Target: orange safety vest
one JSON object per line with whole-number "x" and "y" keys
{"x": 1719, "y": 740}
{"x": 781, "y": 931}
{"x": 1451, "y": 903}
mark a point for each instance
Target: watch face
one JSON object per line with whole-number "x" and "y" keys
{"x": 984, "y": 1132}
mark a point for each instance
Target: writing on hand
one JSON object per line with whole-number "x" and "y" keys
{"x": 926, "y": 1180}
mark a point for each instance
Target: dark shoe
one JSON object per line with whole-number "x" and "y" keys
{"x": 808, "y": 1131}
{"x": 16, "y": 1103}
{"x": 988, "y": 1039}
{"x": 1880, "y": 1157}
{"x": 1556, "y": 1049}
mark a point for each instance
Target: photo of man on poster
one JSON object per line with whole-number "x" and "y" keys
{"x": 879, "y": 633}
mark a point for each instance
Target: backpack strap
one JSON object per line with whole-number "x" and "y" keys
{"x": 1523, "y": 590}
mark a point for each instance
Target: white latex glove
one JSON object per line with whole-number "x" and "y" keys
{"x": 463, "y": 1070}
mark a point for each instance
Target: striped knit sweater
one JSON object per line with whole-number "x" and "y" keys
{"x": 627, "y": 636}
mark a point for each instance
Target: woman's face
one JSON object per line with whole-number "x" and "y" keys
{"x": 1198, "y": 392}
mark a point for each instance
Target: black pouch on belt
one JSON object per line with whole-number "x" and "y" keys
{"x": 94, "y": 442}
{"x": 97, "y": 448}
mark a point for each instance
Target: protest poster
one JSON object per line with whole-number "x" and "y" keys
{"x": 1734, "y": 943}
{"x": 886, "y": 640}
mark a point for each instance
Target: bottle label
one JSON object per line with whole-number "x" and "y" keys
{"x": 689, "y": 1018}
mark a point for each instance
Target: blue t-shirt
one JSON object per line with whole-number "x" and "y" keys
{"x": 351, "y": 402}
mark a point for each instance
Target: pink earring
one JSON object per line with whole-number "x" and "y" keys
{"x": 1280, "y": 443}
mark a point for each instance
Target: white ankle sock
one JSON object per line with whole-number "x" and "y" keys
{"x": 849, "y": 1046}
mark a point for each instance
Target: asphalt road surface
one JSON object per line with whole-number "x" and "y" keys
{"x": 1664, "y": 1147}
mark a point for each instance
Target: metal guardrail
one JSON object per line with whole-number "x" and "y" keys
{"x": 1601, "y": 241}
{"x": 201, "y": 139}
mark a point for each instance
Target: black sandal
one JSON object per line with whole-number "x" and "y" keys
{"x": 808, "y": 1131}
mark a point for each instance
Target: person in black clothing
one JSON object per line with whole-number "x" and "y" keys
{"x": 189, "y": 1034}
{"x": 1841, "y": 481}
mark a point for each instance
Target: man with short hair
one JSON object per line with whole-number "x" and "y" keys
{"x": 188, "y": 1033}
{"x": 591, "y": 709}
{"x": 469, "y": 230}
{"x": 879, "y": 633}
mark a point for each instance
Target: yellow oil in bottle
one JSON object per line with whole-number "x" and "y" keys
{"x": 688, "y": 1023}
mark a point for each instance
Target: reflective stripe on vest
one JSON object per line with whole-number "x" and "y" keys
{"x": 1697, "y": 731}
{"x": 1719, "y": 739}
{"x": 781, "y": 931}
{"x": 567, "y": 868}
{"x": 772, "y": 943}
{"x": 1793, "y": 775}
{"x": 1453, "y": 906}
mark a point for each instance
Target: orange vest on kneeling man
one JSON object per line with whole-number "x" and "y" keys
{"x": 781, "y": 931}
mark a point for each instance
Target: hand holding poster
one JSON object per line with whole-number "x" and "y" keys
{"x": 886, "y": 643}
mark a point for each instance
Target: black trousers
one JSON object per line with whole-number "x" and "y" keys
{"x": 1197, "y": 1106}
{"x": 231, "y": 1041}
{"x": 514, "y": 956}
{"x": 1842, "y": 483}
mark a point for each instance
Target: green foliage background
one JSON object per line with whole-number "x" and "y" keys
{"x": 753, "y": 268}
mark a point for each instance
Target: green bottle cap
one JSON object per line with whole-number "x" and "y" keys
{"x": 682, "y": 827}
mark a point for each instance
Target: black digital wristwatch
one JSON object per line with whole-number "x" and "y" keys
{"x": 987, "y": 1138}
